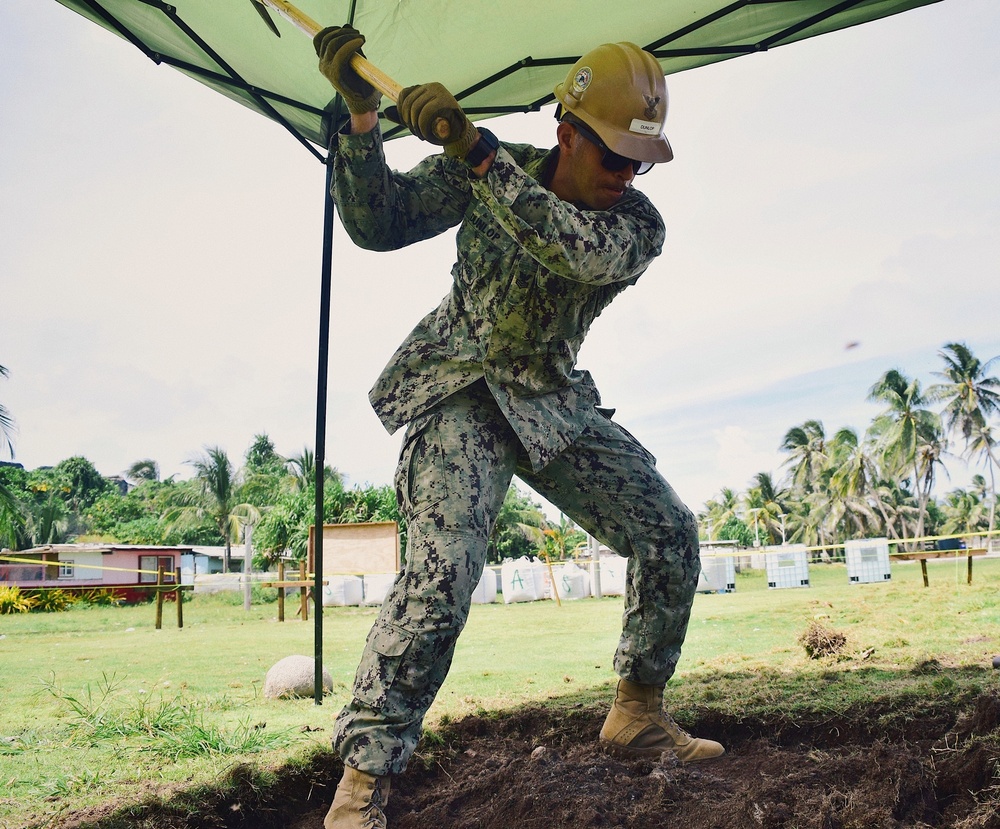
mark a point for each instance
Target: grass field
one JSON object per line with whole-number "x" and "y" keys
{"x": 97, "y": 704}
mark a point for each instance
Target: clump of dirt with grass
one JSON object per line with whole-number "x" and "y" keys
{"x": 820, "y": 641}
{"x": 877, "y": 766}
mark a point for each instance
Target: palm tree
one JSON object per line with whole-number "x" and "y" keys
{"x": 898, "y": 506}
{"x": 984, "y": 445}
{"x": 12, "y": 521}
{"x": 806, "y": 447}
{"x": 970, "y": 393}
{"x": 905, "y": 429}
{"x": 851, "y": 484}
{"x": 929, "y": 454}
{"x": 519, "y": 528}
{"x": 302, "y": 471}
{"x": 972, "y": 396}
{"x": 144, "y": 470}
{"x": 806, "y": 522}
{"x": 766, "y": 502}
{"x": 260, "y": 456}
{"x": 217, "y": 499}
{"x": 6, "y": 421}
{"x": 964, "y": 509}
{"x": 561, "y": 539}
{"x": 48, "y": 521}
{"x": 719, "y": 510}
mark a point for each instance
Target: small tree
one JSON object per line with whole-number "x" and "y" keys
{"x": 265, "y": 473}
{"x": 735, "y": 530}
{"x": 11, "y": 519}
{"x": 217, "y": 498}
{"x": 519, "y": 528}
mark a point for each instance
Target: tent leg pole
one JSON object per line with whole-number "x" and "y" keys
{"x": 322, "y": 371}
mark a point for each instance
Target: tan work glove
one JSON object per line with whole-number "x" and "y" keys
{"x": 335, "y": 46}
{"x": 432, "y": 114}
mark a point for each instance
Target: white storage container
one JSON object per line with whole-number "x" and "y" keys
{"x": 343, "y": 591}
{"x": 611, "y": 573}
{"x": 787, "y": 566}
{"x": 718, "y": 574}
{"x": 522, "y": 580}
{"x": 486, "y": 590}
{"x": 377, "y": 586}
{"x": 571, "y": 582}
{"x": 867, "y": 560}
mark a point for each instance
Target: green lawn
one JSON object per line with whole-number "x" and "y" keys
{"x": 96, "y": 700}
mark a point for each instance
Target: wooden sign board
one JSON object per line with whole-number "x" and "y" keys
{"x": 357, "y": 549}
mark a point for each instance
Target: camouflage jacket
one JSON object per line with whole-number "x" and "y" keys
{"x": 533, "y": 272}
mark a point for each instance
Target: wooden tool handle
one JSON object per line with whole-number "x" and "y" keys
{"x": 293, "y": 15}
{"x": 377, "y": 78}
{"x": 371, "y": 73}
{"x": 367, "y": 70}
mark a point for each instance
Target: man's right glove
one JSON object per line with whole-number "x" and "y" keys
{"x": 335, "y": 46}
{"x": 432, "y": 114}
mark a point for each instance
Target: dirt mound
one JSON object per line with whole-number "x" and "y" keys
{"x": 931, "y": 766}
{"x": 537, "y": 771}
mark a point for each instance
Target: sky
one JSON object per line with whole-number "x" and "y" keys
{"x": 831, "y": 212}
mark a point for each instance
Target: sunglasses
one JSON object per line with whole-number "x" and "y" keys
{"x": 610, "y": 160}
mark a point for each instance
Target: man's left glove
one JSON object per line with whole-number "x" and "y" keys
{"x": 432, "y": 114}
{"x": 335, "y": 46}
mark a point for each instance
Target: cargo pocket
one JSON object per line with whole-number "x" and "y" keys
{"x": 384, "y": 651}
{"x": 420, "y": 480}
{"x": 628, "y": 438}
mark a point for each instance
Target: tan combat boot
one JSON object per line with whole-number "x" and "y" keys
{"x": 638, "y": 727}
{"x": 359, "y": 802}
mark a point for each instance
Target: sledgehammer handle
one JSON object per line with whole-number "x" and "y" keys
{"x": 371, "y": 73}
{"x": 377, "y": 78}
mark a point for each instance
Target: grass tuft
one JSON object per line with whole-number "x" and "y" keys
{"x": 195, "y": 738}
{"x": 167, "y": 726}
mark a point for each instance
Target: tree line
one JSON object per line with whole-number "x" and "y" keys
{"x": 879, "y": 483}
{"x": 834, "y": 486}
{"x": 274, "y": 494}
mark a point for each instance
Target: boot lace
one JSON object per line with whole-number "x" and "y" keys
{"x": 373, "y": 813}
{"x": 671, "y": 726}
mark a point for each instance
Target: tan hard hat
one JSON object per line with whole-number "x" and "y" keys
{"x": 619, "y": 91}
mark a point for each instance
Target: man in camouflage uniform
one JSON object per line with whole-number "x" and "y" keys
{"x": 487, "y": 387}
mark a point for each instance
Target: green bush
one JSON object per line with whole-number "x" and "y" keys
{"x": 100, "y": 597}
{"x": 51, "y": 600}
{"x": 12, "y": 600}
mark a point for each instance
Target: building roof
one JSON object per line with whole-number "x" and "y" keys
{"x": 105, "y": 548}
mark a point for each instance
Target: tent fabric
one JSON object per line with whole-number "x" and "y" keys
{"x": 496, "y": 58}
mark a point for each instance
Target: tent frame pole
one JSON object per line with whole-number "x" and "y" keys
{"x": 331, "y": 128}
{"x": 322, "y": 385}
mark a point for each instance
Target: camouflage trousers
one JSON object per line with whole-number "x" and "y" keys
{"x": 455, "y": 467}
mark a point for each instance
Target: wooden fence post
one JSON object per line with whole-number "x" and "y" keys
{"x": 159, "y": 597}
{"x": 303, "y": 593}
{"x": 281, "y": 592}
{"x": 180, "y": 599}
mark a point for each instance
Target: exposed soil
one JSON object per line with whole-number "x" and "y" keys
{"x": 937, "y": 766}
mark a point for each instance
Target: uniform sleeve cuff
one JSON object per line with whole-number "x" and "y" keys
{"x": 503, "y": 182}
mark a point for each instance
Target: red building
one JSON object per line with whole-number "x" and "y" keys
{"x": 130, "y": 570}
